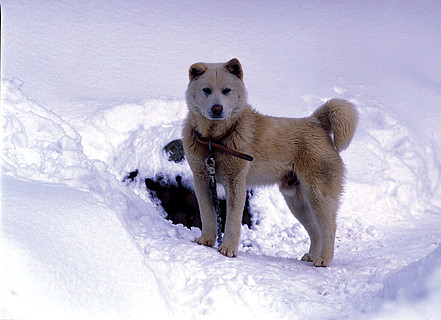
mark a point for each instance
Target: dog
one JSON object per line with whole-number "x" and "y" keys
{"x": 300, "y": 155}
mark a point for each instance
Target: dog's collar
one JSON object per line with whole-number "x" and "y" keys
{"x": 214, "y": 143}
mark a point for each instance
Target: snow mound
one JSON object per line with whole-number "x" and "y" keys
{"x": 39, "y": 145}
{"x": 69, "y": 258}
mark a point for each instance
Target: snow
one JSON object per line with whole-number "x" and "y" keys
{"x": 98, "y": 91}
{"x": 56, "y": 254}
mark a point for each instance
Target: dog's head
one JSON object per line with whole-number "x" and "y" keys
{"x": 216, "y": 90}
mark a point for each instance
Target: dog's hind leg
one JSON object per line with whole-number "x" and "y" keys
{"x": 324, "y": 209}
{"x": 301, "y": 210}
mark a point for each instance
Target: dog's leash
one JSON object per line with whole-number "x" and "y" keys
{"x": 210, "y": 163}
{"x": 211, "y": 168}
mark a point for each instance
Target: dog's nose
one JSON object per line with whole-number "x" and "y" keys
{"x": 217, "y": 109}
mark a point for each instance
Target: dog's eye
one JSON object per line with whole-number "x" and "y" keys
{"x": 207, "y": 91}
{"x": 226, "y": 91}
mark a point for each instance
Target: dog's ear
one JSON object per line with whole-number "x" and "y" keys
{"x": 196, "y": 70}
{"x": 234, "y": 67}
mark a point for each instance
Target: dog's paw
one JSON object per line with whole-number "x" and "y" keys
{"x": 206, "y": 242}
{"x": 322, "y": 262}
{"x": 317, "y": 261}
{"x": 308, "y": 257}
{"x": 228, "y": 251}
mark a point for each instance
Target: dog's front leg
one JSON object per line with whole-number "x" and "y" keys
{"x": 207, "y": 210}
{"x": 236, "y": 191}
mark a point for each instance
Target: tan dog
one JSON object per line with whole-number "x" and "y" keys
{"x": 299, "y": 155}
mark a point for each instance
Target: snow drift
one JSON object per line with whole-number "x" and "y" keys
{"x": 392, "y": 199}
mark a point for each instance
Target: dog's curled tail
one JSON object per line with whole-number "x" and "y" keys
{"x": 339, "y": 117}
